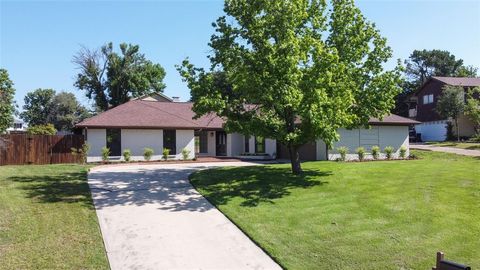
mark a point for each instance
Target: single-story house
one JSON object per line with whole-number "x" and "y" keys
{"x": 158, "y": 122}
{"x": 433, "y": 127}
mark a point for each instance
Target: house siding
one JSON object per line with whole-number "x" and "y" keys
{"x": 426, "y": 112}
{"x": 382, "y": 136}
{"x": 185, "y": 139}
{"x": 138, "y": 139}
{"x": 97, "y": 139}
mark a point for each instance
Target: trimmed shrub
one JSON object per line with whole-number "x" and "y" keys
{"x": 343, "y": 151}
{"x": 165, "y": 153}
{"x": 105, "y": 153}
{"x": 147, "y": 153}
{"x": 403, "y": 152}
{"x": 82, "y": 152}
{"x": 127, "y": 154}
{"x": 185, "y": 153}
{"x": 389, "y": 152}
{"x": 375, "y": 152}
{"x": 361, "y": 153}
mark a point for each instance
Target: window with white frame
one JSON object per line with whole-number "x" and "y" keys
{"x": 427, "y": 99}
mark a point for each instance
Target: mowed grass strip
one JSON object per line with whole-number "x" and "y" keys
{"x": 47, "y": 219}
{"x": 371, "y": 215}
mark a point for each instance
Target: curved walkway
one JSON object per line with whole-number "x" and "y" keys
{"x": 453, "y": 150}
{"x": 152, "y": 218}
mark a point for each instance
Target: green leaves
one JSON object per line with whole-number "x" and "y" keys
{"x": 112, "y": 78}
{"x": 451, "y": 103}
{"x": 45, "y": 106}
{"x": 293, "y": 71}
{"x": 7, "y": 107}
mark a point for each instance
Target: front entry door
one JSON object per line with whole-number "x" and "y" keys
{"x": 221, "y": 142}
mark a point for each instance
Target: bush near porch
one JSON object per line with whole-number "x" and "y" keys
{"x": 374, "y": 215}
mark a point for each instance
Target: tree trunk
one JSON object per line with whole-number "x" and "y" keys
{"x": 456, "y": 125}
{"x": 295, "y": 159}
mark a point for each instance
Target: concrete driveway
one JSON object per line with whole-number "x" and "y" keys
{"x": 453, "y": 150}
{"x": 152, "y": 218}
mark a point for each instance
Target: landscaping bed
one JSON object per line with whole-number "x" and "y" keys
{"x": 355, "y": 215}
{"x": 47, "y": 219}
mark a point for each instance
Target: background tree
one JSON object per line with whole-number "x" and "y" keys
{"x": 467, "y": 71}
{"x": 451, "y": 104}
{"x": 38, "y": 107}
{"x": 423, "y": 64}
{"x": 67, "y": 111}
{"x": 276, "y": 62}
{"x": 472, "y": 108}
{"x": 110, "y": 78}
{"x": 7, "y": 107}
{"x": 45, "y": 106}
{"x": 47, "y": 129}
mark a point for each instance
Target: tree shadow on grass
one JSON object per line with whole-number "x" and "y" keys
{"x": 473, "y": 147}
{"x": 254, "y": 185}
{"x": 63, "y": 187}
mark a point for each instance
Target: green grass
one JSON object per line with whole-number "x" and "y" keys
{"x": 47, "y": 219}
{"x": 468, "y": 146}
{"x": 372, "y": 215}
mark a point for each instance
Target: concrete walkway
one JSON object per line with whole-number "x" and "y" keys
{"x": 152, "y": 218}
{"x": 453, "y": 150}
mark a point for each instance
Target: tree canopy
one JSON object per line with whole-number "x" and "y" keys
{"x": 45, "y": 106}
{"x": 472, "y": 108}
{"x": 451, "y": 104}
{"x": 110, "y": 78}
{"x": 37, "y": 109}
{"x": 7, "y": 106}
{"x": 294, "y": 71}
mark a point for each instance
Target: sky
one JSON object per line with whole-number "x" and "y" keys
{"x": 39, "y": 38}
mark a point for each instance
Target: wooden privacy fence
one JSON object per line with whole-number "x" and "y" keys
{"x": 22, "y": 149}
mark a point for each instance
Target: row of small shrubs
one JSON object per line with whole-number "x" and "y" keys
{"x": 147, "y": 154}
{"x": 375, "y": 151}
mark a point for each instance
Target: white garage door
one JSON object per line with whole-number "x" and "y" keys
{"x": 432, "y": 131}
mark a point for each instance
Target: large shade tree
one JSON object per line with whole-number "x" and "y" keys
{"x": 7, "y": 106}
{"x": 46, "y": 106}
{"x": 38, "y": 107}
{"x": 294, "y": 71}
{"x": 110, "y": 78}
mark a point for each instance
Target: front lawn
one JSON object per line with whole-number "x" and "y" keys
{"x": 372, "y": 215}
{"x": 468, "y": 146}
{"x": 47, "y": 219}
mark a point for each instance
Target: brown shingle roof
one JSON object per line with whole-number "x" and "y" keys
{"x": 393, "y": 119}
{"x": 459, "y": 81}
{"x": 177, "y": 115}
{"x": 152, "y": 114}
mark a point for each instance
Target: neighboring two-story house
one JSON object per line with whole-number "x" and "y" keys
{"x": 434, "y": 127}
